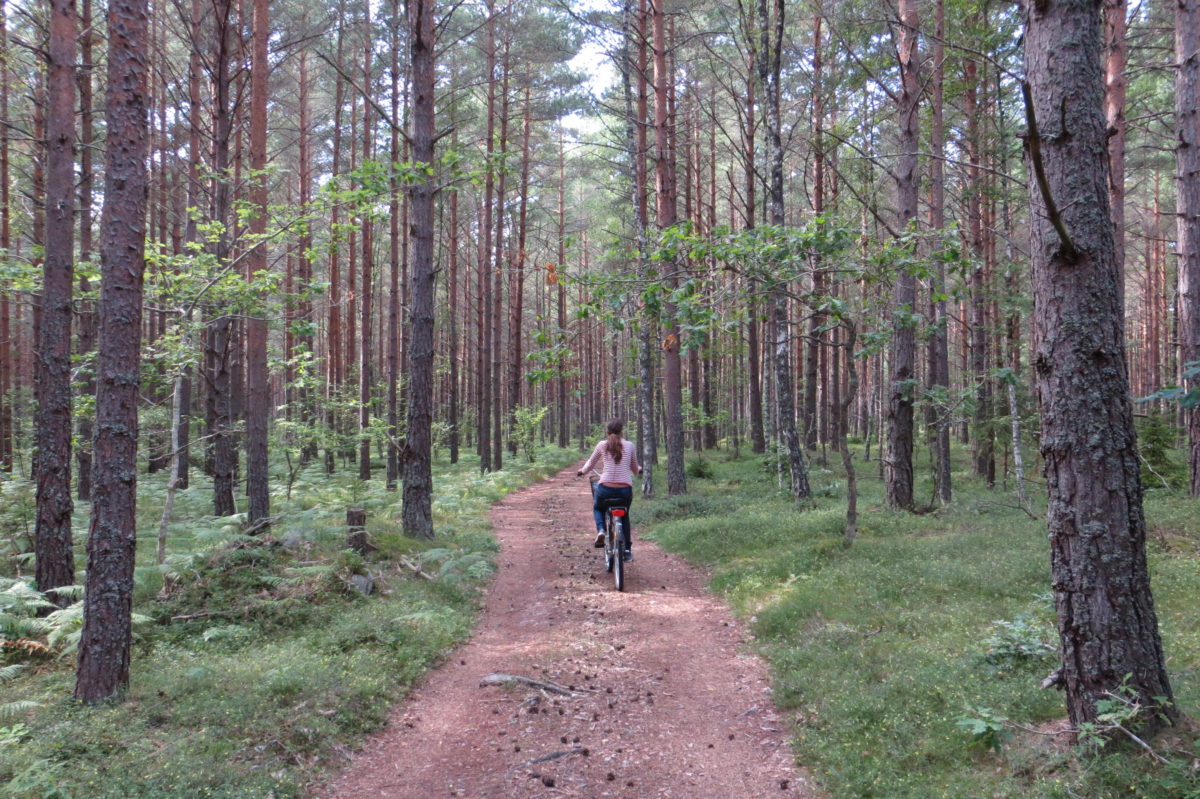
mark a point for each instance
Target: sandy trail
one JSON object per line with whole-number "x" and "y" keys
{"x": 665, "y": 702}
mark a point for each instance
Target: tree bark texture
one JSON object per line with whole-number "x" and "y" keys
{"x": 102, "y": 670}
{"x": 221, "y": 338}
{"x": 769, "y": 64}
{"x": 938, "y": 377}
{"x": 1116, "y": 57}
{"x": 54, "y": 558}
{"x": 87, "y": 312}
{"x": 637, "y": 189}
{"x": 257, "y": 378}
{"x": 1187, "y": 170}
{"x": 1107, "y": 623}
{"x": 664, "y": 177}
{"x": 418, "y": 477}
{"x": 899, "y": 455}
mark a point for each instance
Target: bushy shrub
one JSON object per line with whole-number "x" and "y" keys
{"x": 1016, "y": 643}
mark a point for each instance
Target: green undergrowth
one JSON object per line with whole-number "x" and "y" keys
{"x": 912, "y": 659}
{"x": 260, "y": 662}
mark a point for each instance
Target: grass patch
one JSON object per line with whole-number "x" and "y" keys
{"x": 261, "y": 663}
{"x": 885, "y": 649}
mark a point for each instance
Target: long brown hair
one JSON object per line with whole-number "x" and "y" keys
{"x": 613, "y": 430}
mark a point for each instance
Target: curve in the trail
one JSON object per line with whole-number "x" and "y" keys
{"x": 662, "y": 702}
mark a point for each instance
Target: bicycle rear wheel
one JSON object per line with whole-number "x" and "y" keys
{"x": 618, "y": 568}
{"x": 615, "y": 543}
{"x": 610, "y": 550}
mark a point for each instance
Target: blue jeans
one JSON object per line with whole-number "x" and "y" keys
{"x": 602, "y": 492}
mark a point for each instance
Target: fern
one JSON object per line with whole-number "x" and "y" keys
{"x": 66, "y": 624}
{"x": 71, "y": 592}
{"x": 19, "y": 596}
{"x": 10, "y": 673}
{"x": 10, "y": 710}
{"x": 227, "y": 632}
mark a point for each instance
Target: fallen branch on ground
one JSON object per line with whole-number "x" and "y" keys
{"x": 416, "y": 569}
{"x": 579, "y": 750}
{"x": 509, "y": 679}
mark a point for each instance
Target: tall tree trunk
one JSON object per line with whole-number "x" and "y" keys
{"x": 334, "y": 347}
{"x": 366, "y": 298}
{"x": 899, "y": 456}
{"x": 393, "y": 322}
{"x": 750, "y": 185}
{"x": 452, "y": 234}
{"x": 1187, "y": 170}
{"x": 1116, "y": 56}
{"x": 257, "y": 409}
{"x": 984, "y": 434}
{"x": 87, "y": 314}
{"x": 564, "y": 411}
{"x": 6, "y": 348}
{"x": 516, "y": 280}
{"x": 484, "y": 304}
{"x": 221, "y": 336}
{"x": 1106, "y": 619}
{"x": 938, "y": 377}
{"x": 304, "y": 309}
{"x": 497, "y": 295}
{"x": 54, "y": 556}
{"x": 418, "y": 479}
{"x": 769, "y": 66}
{"x": 664, "y": 187}
{"x": 634, "y": 143}
{"x": 813, "y": 378}
{"x": 102, "y": 669}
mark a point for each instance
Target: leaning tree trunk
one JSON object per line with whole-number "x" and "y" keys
{"x": 1107, "y": 624}
{"x": 418, "y": 477}
{"x": 1187, "y": 168}
{"x": 54, "y": 558}
{"x": 102, "y": 669}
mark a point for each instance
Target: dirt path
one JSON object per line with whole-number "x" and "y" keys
{"x": 664, "y": 702}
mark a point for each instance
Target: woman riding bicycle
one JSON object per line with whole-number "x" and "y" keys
{"x": 616, "y": 481}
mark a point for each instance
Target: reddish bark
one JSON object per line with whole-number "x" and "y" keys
{"x": 55, "y": 559}
{"x": 87, "y": 310}
{"x": 938, "y": 372}
{"x": 365, "y": 366}
{"x": 393, "y": 322}
{"x": 1107, "y": 624}
{"x": 899, "y": 470}
{"x": 104, "y": 647}
{"x": 666, "y": 207}
{"x": 259, "y": 405}
{"x": 1187, "y": 160}
{"x": 418, "y": 478}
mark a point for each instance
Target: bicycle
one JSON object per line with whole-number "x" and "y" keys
{"x": 614, "y": 550}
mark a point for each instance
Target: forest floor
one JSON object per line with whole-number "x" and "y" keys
{"x": 663, "y": 698}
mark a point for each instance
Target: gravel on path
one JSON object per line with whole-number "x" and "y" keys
{"x": 663, "y": 699}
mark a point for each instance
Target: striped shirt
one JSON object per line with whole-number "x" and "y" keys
{"x": 614, "y": 473}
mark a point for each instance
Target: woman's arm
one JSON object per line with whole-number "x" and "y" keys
{"x": 592, "y": 460}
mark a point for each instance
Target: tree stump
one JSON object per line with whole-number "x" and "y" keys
{"x": 356, "y": 538}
